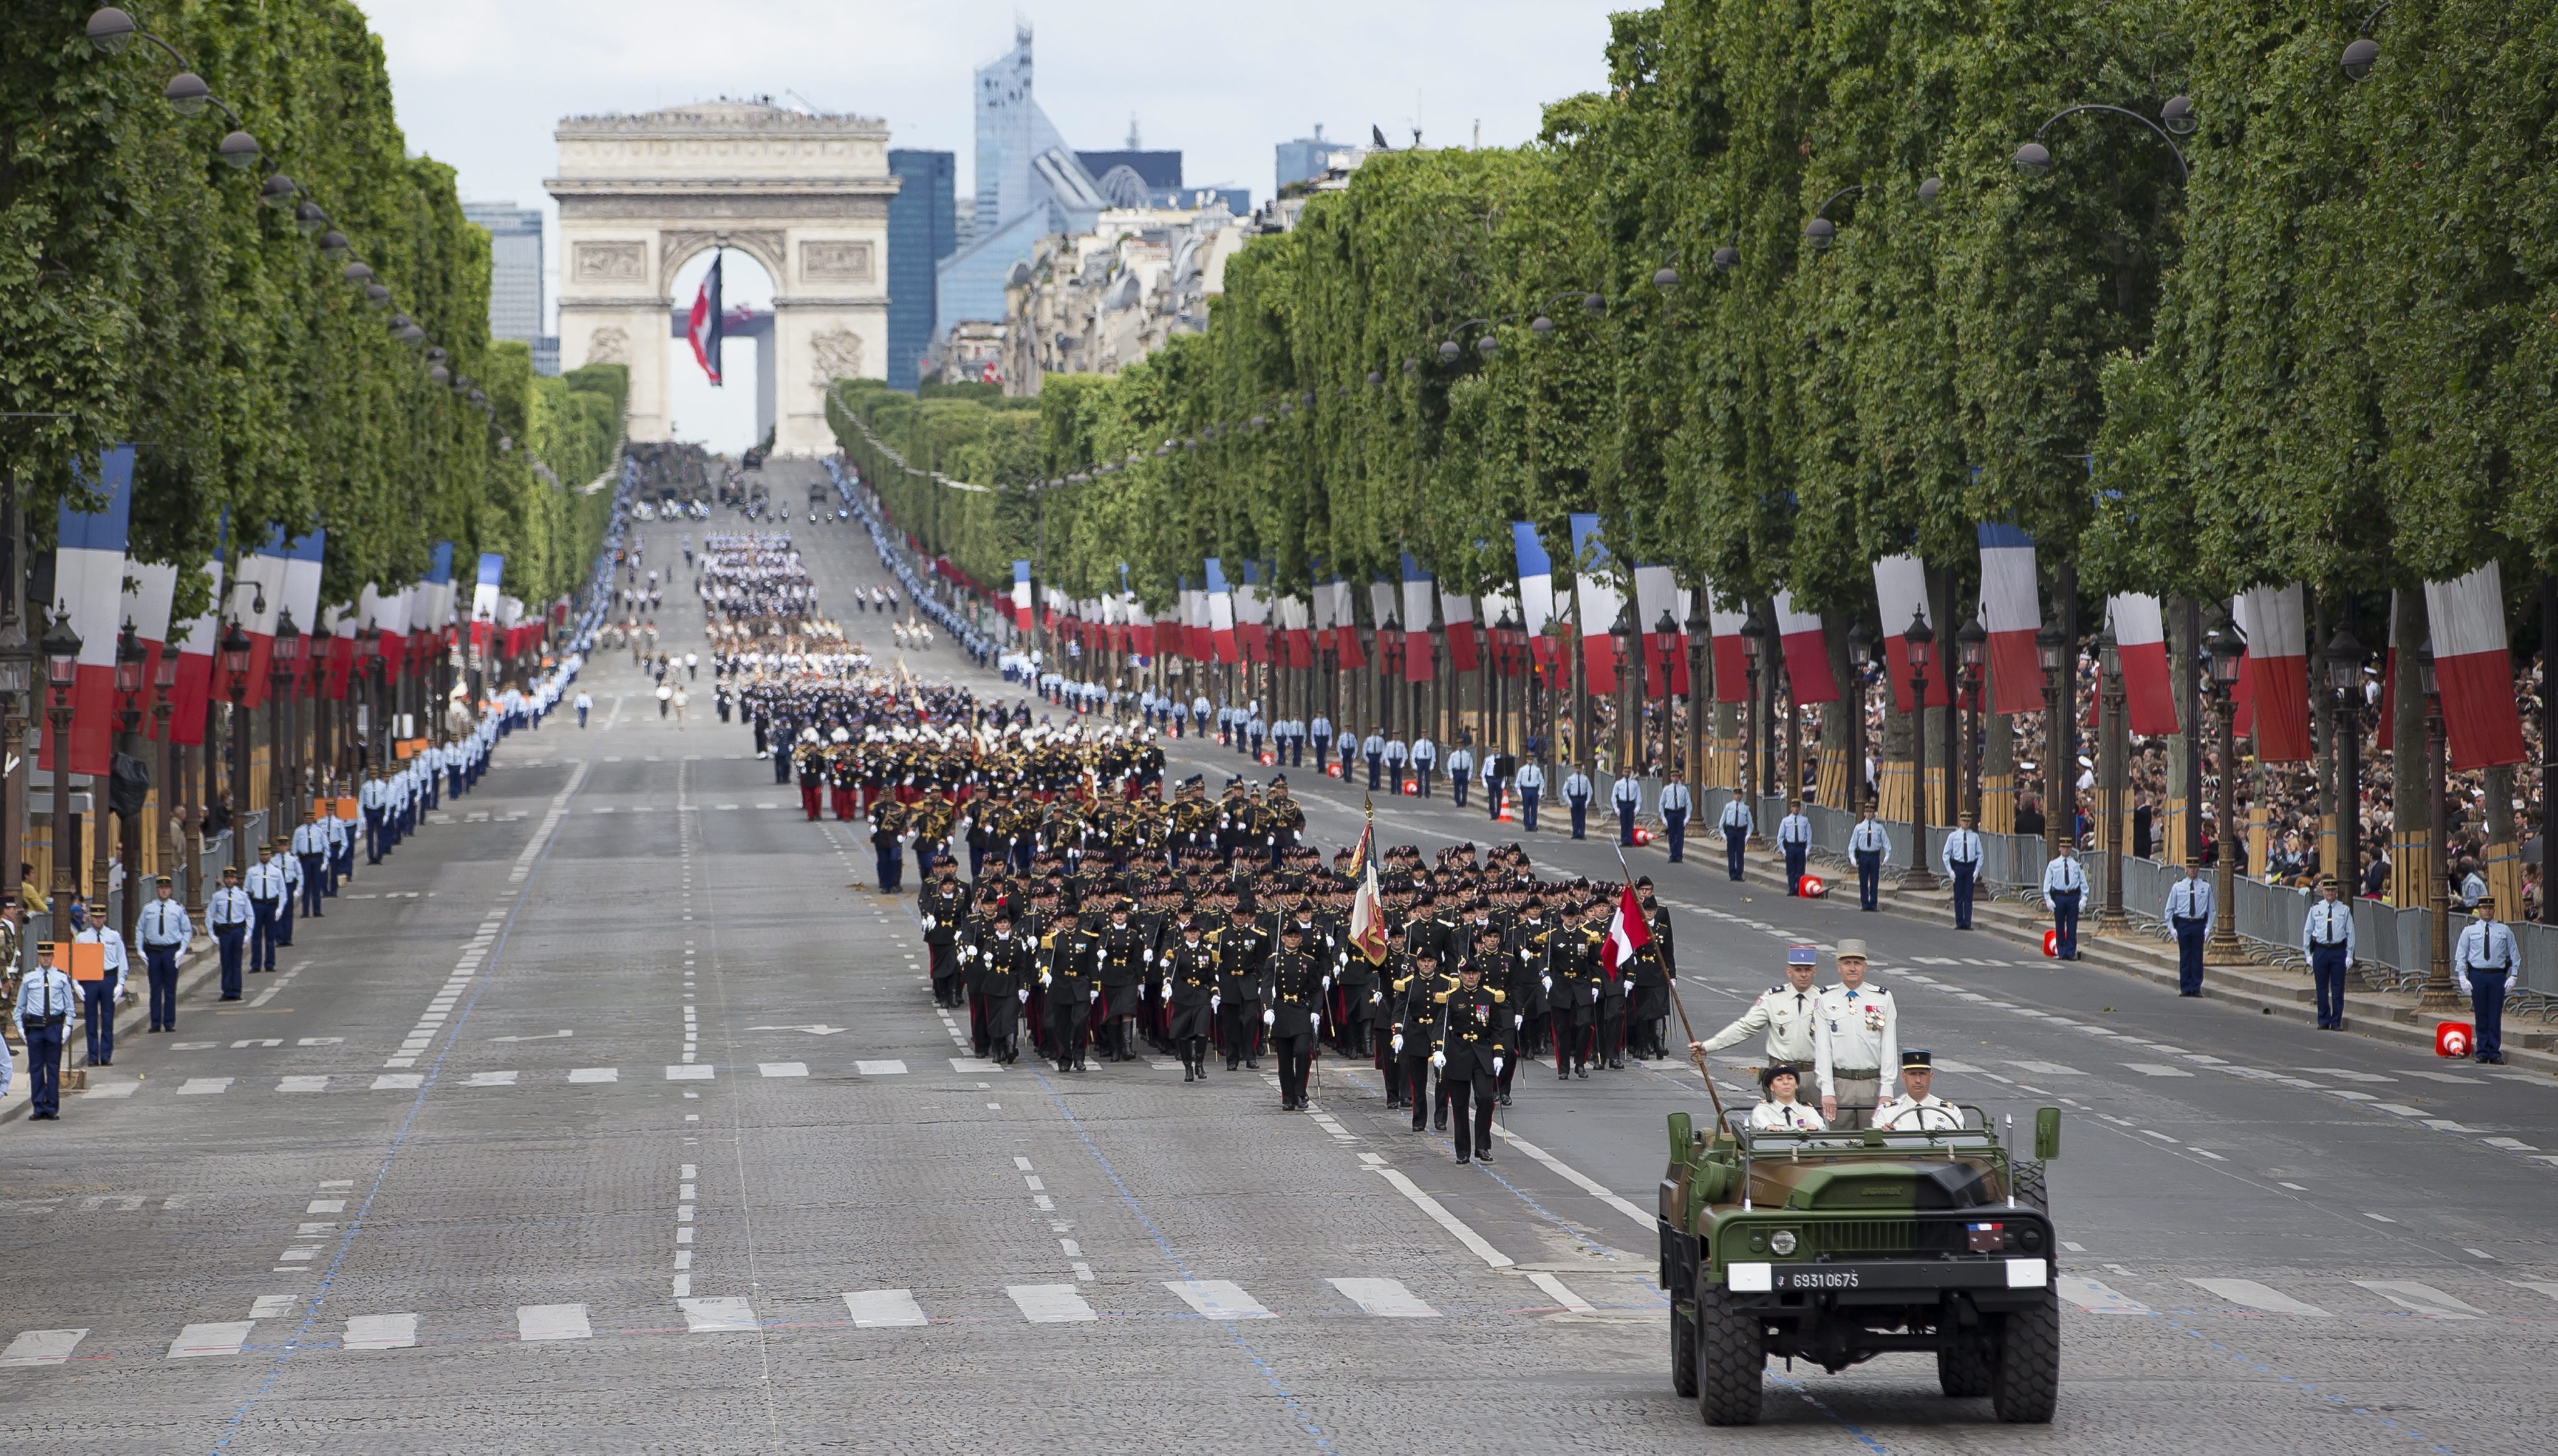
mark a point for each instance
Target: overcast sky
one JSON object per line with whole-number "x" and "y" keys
{"x": 480, "y": 83}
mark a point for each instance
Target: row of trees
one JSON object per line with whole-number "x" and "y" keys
{"x": 153, "y": 298}
{"x": 2325, "y": 357}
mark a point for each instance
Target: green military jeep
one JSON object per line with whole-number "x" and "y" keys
{"x": 1836, "y": 1246}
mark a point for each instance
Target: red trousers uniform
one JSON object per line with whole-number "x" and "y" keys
{"x": 808, "y": 799}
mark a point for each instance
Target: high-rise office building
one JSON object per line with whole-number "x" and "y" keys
{"x": 1029, "y": 183}
{"x": 1310, "y": 156}
{"x": 922, "y": 229}
{"x": 515, "y": 277}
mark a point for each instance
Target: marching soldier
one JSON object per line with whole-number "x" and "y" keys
{"x": 1572, "y": 967}
{"x": 1010, "y": 964}
{"x": 1072, "y": 980}
{"x": 1418, "y": 996}
{"x": 1241, "y": 948}
{"x": 1191, "y": 992}
{"x": 1468, "y": 1052}
{"x": 1299, "y": 982}
{"x": 1856, "y": 1042}
{"x": 941, "y": 905}
{"x": 1127, "y": 955}
{"x": 888, "y": 827}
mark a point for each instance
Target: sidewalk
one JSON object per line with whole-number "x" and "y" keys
{"x": 199, "y": 965}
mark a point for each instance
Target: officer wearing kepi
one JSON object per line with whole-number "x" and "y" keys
{"x": 1470, "y": 1051}
{"x": 1917, "y": 1110}
{"x": 942, "y": 906}
{"x": 1735, "y": 821}
{"x": 2189, "y": 914}
{"x": 1794, "y": 840}
{"x": 1856, "y": 1042}
{"x": 228, "y": 912}
{"x": 1295, "y": 1016}
{"x": 164, "y": 931}
{"x": 2485, "y": 961}
{"x": 1786, "y": 1013}
{"x": 2327, "y": 938}
{"x": 45, "y": 1004}
{"x": 1961, "y": 859}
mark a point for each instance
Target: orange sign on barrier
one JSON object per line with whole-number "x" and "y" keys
{"x": 348, "y": 809}
{"x": 89, "y": 960}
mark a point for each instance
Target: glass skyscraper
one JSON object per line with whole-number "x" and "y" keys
{"x": 922, "y": 229}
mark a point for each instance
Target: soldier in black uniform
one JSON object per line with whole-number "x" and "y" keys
{"x": 1573, "y": 1000}
{"x": 1616, "y": 987}
{"x": 1191, "y": 989}
{"x": 941, "y": 905}
{"x": 1522, "y": 987}
{"x": 888, "y": 827}
{"x": 1414, "y": 1001}
{"x": 1072, "y": 980}
{"x": 1298, "y": 983}
{"x": 1127, "y": 955}
{"x": 1470, "y": 1050}
{"x": 1241, "y": 948}
{"x": 1654, "y": 970}
{"x": 1011, "y": 964}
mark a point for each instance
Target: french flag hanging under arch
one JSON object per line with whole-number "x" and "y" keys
{"x": 707, "y": 325}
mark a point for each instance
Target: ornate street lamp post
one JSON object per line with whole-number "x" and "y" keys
{"x": 62, "y": 648}
{"x": 1754, "y": 643}
{"x": 1920, "y": 642}
{"x": 1971, "y": 643}
{"x": 2225, "y": 950}
{"x": 1666, "y": 629}
{"x": 1627, "y": 748}
{"x": 2117, "y": 749}
{"x": 236, "y": 655}
{"x": 2060, "y": 795}
{"x": 2344, "y": 656}
{"x": 283, "y": 657}
{"x": 2439, "y": 993}
{"x": 132, "y": 665}
{"x": 1700, "y": 643}
{"x": 1860, "y": 661}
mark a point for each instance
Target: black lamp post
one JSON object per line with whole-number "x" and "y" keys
{"x": 1920, "y": 640}
{"x": 1860, "y": 661}
{"x": 132, "y": 670}
{"x": 1666, "y": 629}
{"x": 164, "y": 683}
{"x": 2117, "y": 747}
{"x": 1754, "y": 644}
{"x": 235, "y": 663}
{"x": 1700, "y": 643}
{"x": 2060, "y": 793}
{"x": 2439, "y": 993}
{"x": 2344, "y": 656}
{"x": 1628, "y": 747}
{"x": 2224, "y": 949}
{"x": 62, "y": 648}
{"x": 2176, "y": 116}
{"x": 282, "y": 658}
{"x": 1501, "y": 632}
{"x": 1971, "y": 643}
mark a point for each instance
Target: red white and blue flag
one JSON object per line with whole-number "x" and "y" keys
{"x": 707, "y": 325}
{"x": 1367, "y": 904}
{"x": 1628, "y": 934}
{"x": 88, "y": 588}
{"x": 2473, "y": 669}
{"x": 2011, "y": 613}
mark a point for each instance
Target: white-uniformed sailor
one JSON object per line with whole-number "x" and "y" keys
{"x": 1917, "y": 1110}
{"x": 1856, "y": 1042}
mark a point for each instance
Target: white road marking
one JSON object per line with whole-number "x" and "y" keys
{"x": 783, "y": 1068}
{"x": 2047, "y": 1069}
{"x": 689, "y": 1074}
{"x": 327, "y": 1205}
{"x": 41, "y": 1347}
{"x": 551, "y": 1322}
{"x": 1386, "y": 1298}
{"x": 595, "y": 1074}
{"x": 2096, "y": 1298}
{"x": 380, "y": 1331}
{"x": 2157, "y": 1069}
{"x": 1218, "y": 1299}
{"x": 1050, "y": 1304}
{"x": 889, "y": 1068}
{"x": 398, "y": 1080}
{"x": 223, "y": 1337}
{"x": 490, "y": 1079}
{"x": 1439, "y": 1215}
{"x": 874, "y": 1309}
{"x": 2258, "y": 1297}
{"x": 2425, "y": 1299}
{"x": 716, "y": 1313}
{"x": 1586, "y": 1184}
{"x": 1562, "y": 1294}
{"x": 205, "y": 1085}
{"x": 274, "y": 1306}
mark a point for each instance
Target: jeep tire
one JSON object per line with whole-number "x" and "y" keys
{"x": 1730, "y": 1358}
{"x": 1962, "y": 1369}
{"x": 2024, "y": 1383}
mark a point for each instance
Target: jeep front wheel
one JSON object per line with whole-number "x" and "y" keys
{"x": 1730, "y": 1358}
{"x": 1682, "y": 1354}
{"x": 2025, "y": 1385}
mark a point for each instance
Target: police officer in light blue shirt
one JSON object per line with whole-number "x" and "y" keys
{"x": 1735, "y": 822}
{"x": 311, "y": 853}
{"x": 266, "y": 901}
{"x": 2189, "y": 915}
{"x": 164, "y": 930}
{"x": 1461, "y": 774}
{"x": 2327, "y": 938}
{"x": 1425, "y": 759}
{"x": 1627, "y": 793}
{"x": 98, "y": 997}
{"x": 1321, "y": 731}
{"x": 292, "y": 869}
{"x": 1794, "y": 840}
{"x": 1531, "y": 783}
{"x": 1960, "y": 858}
{"x": 2064, "y": 888}
{"x": 1372, "y": 748}
{"x": 46, "y": 1004}
{"x": 373, "y": 800}
{"x": 1577, "y": 790}
{"x": 1674, "y": 804}
{"x": 228, "y": 915}
{"x": 1870, "y": 848}
{"x": 1397, "y": 758}
{"x": 2485, "y": 961}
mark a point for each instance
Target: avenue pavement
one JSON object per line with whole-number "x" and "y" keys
{"x": 611, "y": 1114}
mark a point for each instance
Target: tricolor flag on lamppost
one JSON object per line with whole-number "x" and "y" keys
{"x": 195, "y": 644}
{"x": 2011, "y": 615}
{"x": 2473, "y": 670}
{"x": 2140, "y": 640}
{"x": 1022, "y": 594}
{"x": 88, "y": 587}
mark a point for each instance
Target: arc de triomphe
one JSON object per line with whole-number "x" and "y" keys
{"x": 806, "y": 196}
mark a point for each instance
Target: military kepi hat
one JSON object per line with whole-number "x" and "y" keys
{"x": 1915, "y": 1060}
{"x": 1803, "y": 956}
